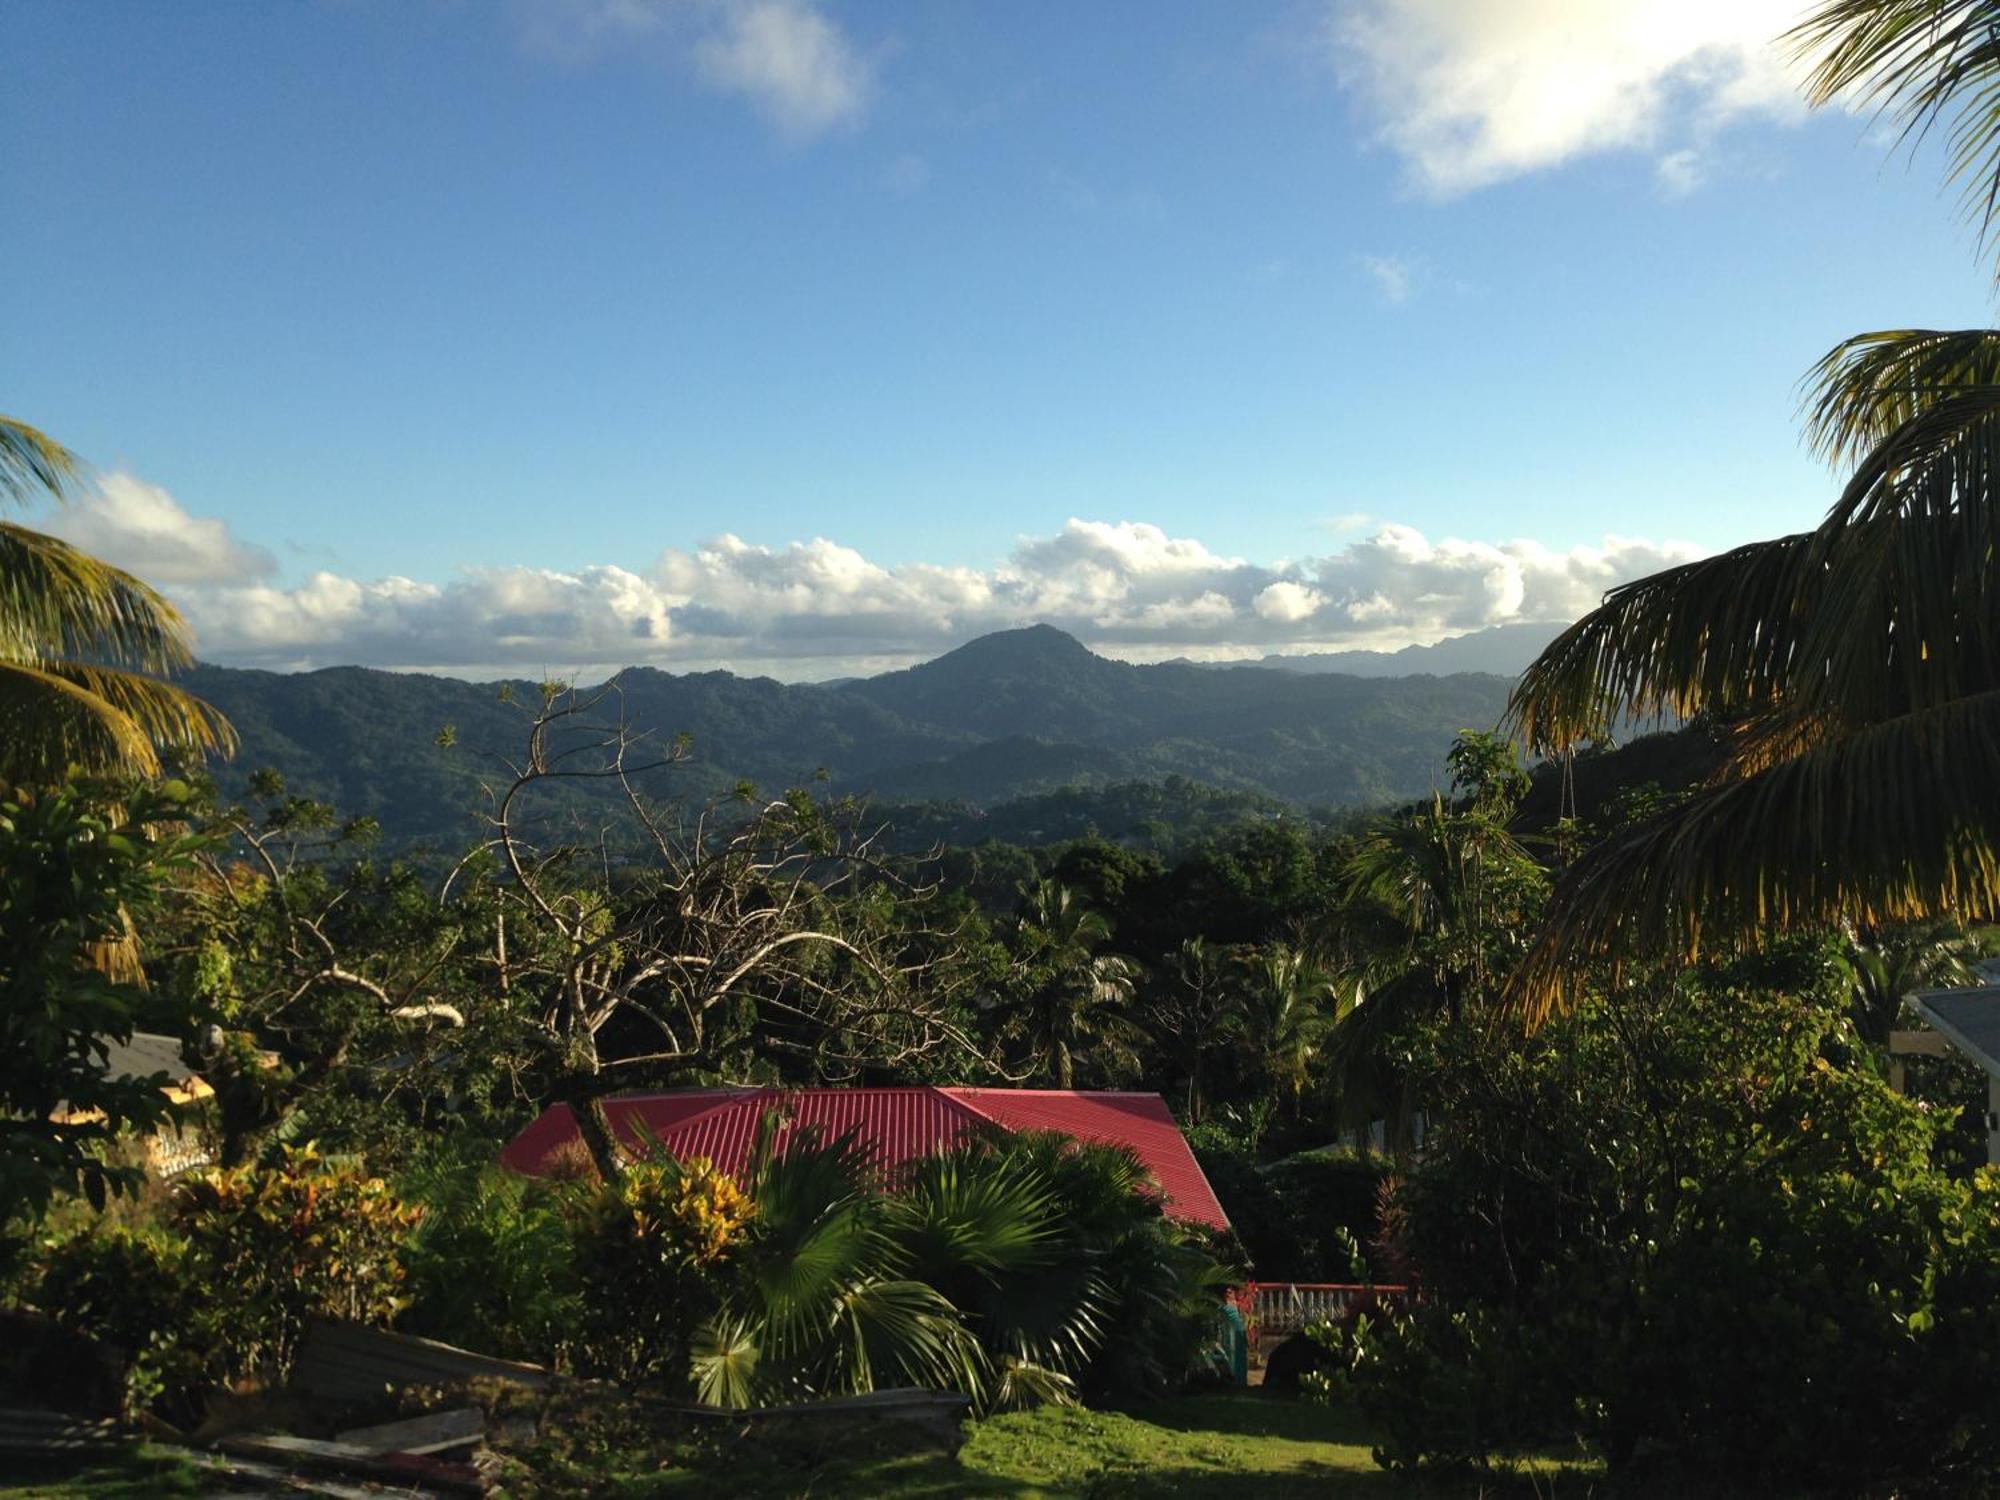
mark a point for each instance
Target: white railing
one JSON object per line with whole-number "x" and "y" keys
{"x": 1277, "y": 1307}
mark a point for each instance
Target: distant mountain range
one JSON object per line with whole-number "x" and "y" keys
{"x": 1502, "y": 649}
{"x": 1019, "y": 713}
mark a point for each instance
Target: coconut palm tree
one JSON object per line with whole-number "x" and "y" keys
{"x": 1070, "y": 997}
{"x": 1442, "y": 891}
{"x": 1855, "y": 668}
{"x": 79, "y": 640}
{"x": 1288, "y": 1006}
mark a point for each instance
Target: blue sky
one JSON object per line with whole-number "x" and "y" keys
{"x": 449, "y": 335}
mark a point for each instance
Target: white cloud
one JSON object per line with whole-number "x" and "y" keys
{"x": 1395, "y": 276}
{"x": 1287, "y": 601}
{"x": 818, "y": 609}
{"x": 1471, "y": 92}
{"x": 143, "y": 529}
{"x": 789, "y": 61}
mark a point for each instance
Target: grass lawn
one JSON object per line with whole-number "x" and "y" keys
{"x": 1214, "y": 1447}
{"x": 140, "y": 1472}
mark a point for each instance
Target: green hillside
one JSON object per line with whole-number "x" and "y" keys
{"x": 1020, "y": 714}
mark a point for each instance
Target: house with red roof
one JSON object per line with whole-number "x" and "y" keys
{"x": 897, "y": 1125}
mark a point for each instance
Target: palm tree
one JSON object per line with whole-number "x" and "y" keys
{"x": 1854, "y": 668}
{"x": 820, "y": 1304}
{"x": 1289, "y": 1004}
{"x": 78, "y": 639}
{"x": 1012, "y": 1268}
{"x": 1071, "y": 997}
{"x": 1456, "y": 881}
{"x": 1442, "y": 891}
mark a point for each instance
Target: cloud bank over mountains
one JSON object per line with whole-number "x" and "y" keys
{"x": 819, "y": 609}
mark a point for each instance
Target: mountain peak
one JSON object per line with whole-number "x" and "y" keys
{"x": 1029, "y": 644}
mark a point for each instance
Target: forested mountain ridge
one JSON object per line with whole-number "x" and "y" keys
{"x": 1015, "y": 714}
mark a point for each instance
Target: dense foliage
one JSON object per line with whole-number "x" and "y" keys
{"x": 75, "y": 874}
{"x": 1695, "y": 1224}
{"x": 219, "y": 1291}
{"x": 1586, "y": 1211}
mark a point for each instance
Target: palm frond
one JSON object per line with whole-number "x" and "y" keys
{"x": 1870, "y": 385}
{"x": 1716, "y": 635}
{"x": 1893, "y": 822}
{"x": 902, "y": 1333}
{"x": 57, "y": 603}
{"x": 171, "y": 717}
{"x": 1907, "y": 570}
{"x": 1917, "y": 62}
{"x": 48, "y": 724}
{"x": 968, "y": 1213}
{"x": 32, "y": 464}
{"x": 1017, "y": 1384}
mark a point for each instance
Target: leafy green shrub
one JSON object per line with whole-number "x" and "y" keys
{"x": 222, "y": 1291}
{"x": 277, "y": 1245}
{"x": 650, "y": 1250}
{"x": 492, "y": 1266}
{"x": 1295, "y": 1216}
{"x": 73, "y": 872}
{"x": 1682, "y": 1226}
{"x": 140, "y": 1291}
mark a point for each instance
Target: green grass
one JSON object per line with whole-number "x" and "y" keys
{"x": 141, "y": 1472}
{"x": 1214, "y": 1447}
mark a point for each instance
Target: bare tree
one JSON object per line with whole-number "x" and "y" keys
{"x": 653, "y": 948}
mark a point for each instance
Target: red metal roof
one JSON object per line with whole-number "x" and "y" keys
{"x": 897, "y": 1125}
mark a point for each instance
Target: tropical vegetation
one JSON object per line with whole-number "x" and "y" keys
{"x": 82, "y": 643}
{"x": 1592, "y": 1066}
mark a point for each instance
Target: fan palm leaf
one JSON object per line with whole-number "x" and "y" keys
{"x": 723, "y": 1359}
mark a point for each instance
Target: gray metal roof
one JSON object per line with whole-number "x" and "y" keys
{"x": 146, "y": 1054}
{"x": 1969, "y": 1018}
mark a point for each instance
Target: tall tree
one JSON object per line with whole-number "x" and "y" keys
{"x": 1069, "y": 997}
{"x": 1288, "y": 1006}
{"x": 1193, "y": 1008}
{"x": 1856, "y": 667}
{"x": 80, "y": 641}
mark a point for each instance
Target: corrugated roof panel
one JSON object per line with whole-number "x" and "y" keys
{"x": 1141, "y": 1122}
{"x": 896, "y": 1125}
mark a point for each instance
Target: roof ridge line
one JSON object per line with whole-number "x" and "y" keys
{"x": 951, "y": 1094}
{"x": 732, "y": 1095}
